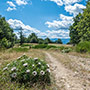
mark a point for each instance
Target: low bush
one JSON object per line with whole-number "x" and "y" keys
{"x": 66, "y": 50}
{"x": 40, "y": 46}
{"x": 28, "y": 71}
{"x": 61, "y": 48}
{"x": 83, "y": 47}
{"x": 20, "y": 49}
{"x": 25, "y": 45}
{"x": 50, "y": 46}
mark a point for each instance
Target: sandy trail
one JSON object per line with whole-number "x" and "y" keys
{"x": 65, "y": 78}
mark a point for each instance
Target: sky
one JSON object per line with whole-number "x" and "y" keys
{"x": 46, "y": 18}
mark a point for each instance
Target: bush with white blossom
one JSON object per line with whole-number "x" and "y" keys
{"x": 25, "y": 70}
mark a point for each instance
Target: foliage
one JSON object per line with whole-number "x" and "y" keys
{"x": 83, "y": 47}
{"x": 66, "y": 50}
{"x": 59, "y": 41}
{"x": 32, "y": 38}
{"x": 51, "y": 46}
{"x": 40, "y": 41}
{"x": 28, "y": 71}
{"x": 7, "y": 37}
{"x": 22, "y": 38}
{"x": 25, "y": 45}
{"x": 47, "y": 40}
{"x": 74, "y": 33}
{"x": 40, "y": 46}
{"x": 80, "y": 30}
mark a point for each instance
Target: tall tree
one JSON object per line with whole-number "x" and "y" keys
{"x": 21, "y": 36}
{"x": 74, "y": 33}
{"x": 6, "y": 34}
{"x": 59, "y": 41}
{"x": 33, "y": 38}
{"x": 80, "y": 30}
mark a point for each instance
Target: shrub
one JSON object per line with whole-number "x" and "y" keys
{"x": 28, "y": 70}
{"x": 83, "y": 47}
{"x": 66, "y": 50}
{"x": 40, "y": 46}
{"x": 5, "y": 43}
{"x": 25, "y": 45}
{"x": 61, "y": 47}
{"x": 51, "y": 46}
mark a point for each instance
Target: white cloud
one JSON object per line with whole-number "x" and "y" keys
{"x": 11, "y": 4}
{"x": 68, "y": 2}
{"x": 64, "y": 2}
{"x": 64, "y": 23}
{"x": 63, "y": 34}
{"x": 75, "y": 9}
{"x": 16, "y": 24}
{"x": 21, "y": 2}
{"x": 58, "y": 2}
{"x": 11, "y": 7}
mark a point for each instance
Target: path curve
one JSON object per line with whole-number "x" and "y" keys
{"x": 65, "y": 78}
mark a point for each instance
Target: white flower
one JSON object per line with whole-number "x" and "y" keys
{"x": 14, "y": 75}
{"x": 35, "y": 59}
{"x": 13, "y": 69}
{"x": 48, "y": 65}
{"x": 33, "y": 65}
{"x": 34, "y": 73}
{"x": 23, "y": 60}
{"x": 25, "y": 65}
{"x": 39, "y": 63}
{"x": 42, "y": 72}
{"x": 8, "y": 64}
{"x": 19, "y": 57}
{"x": 5, "y": 68}
{"x": 28, "y": 71}
{"x": 48, "y": 70}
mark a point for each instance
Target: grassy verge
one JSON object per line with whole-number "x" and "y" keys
{"x": 7, "y": 57}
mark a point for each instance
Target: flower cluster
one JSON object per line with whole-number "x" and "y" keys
{"x": 28, "y": 70}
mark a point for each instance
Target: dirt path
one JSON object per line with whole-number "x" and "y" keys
{"x": 65, "y": 78}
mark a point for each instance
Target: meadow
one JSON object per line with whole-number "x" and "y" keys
{"x": 69, "y": 69}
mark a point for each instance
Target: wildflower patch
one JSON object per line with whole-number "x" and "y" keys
{"x": 25, "y": 69}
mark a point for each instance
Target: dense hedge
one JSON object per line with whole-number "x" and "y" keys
{"x": 83, "y": 47}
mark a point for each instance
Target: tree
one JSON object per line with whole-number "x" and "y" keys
{"x": 22, "y": 38}
{"x": 59, "y": 41}
{"x": 32, "y": 38}
{"x": 83, "y": 26}
{"x": 74, "y": 33}
{"x": 6, "y": 34}
{"x": 48, "y": 40}
{"x": 40, "y": 41}
{"x": 80, "y": 30}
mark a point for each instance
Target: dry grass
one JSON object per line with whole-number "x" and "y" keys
{"x": 77, "y": 63}
{"x": 6, "y": 57}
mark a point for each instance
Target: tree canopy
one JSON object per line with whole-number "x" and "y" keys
{"x": 59, "y": 41}
{"x": 80, "y": 29}
{"x": 7, "y": 37}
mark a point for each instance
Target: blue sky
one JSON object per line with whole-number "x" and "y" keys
{"x": 46, "y": 18}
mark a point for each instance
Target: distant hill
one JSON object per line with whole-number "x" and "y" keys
{"x": 65, "y": 41}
